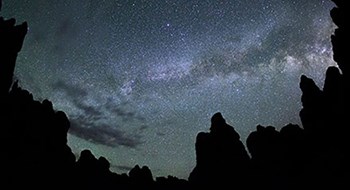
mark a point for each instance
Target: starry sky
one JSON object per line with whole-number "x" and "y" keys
{"x": 139, "y": 79}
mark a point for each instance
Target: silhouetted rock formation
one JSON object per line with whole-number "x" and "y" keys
{"x": 35, "y": 140}
{"x": 325, "y": 112}
{"x": 93, "y": 173}
{"x": 11, "y": 40}
{"x": 265, "y": 147}
{"x": 339, "y": 15}
{"x": 34, "y": 136}
{"x": 337, "y": 86}
{"x": 311, "y": 99}
{"x": 325, "y": 119}
{"x": 277, "y": 158}
{"x": 141, "y": 177}
{"x": 171, "y": 182}
{"x": 221, "y": 156}
{"x": 34, "y": 150}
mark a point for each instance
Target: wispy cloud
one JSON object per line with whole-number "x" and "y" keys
{"x": 103, "y": 133}
{"x": 121, "y": 111}
{"x": 95, "y": 123}
{"x": 70, "y": 90}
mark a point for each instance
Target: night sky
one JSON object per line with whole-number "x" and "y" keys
{"x": 139, "y": 79}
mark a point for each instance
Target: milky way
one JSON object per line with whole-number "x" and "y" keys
{"x": 140, "y": 79}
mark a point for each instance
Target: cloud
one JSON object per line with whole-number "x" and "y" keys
{"x": 88, "y": 110}
{"x": 96, "y": 122}
{"x": 66, "y": 29}
{"x": 143, "y": 127}
{"x": 160, "y": 134}
{"x": 121, "y": 111}
{"x": 101, "y": 133}
{"x": 70, "y": 90}
{"x": 76, "y": 96}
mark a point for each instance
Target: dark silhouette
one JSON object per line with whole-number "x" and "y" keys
{"x": 35, "y": 154}
{"x": 277, "y": 158}
{"x": 33, "y": 135}
{"x": 221, "y": 156}
{"x": 171, "y": 182}
{"x": 11, "y": 40}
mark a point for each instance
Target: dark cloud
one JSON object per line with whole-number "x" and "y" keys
{"x": 66, "y": 29}
{"x": 70, "y": 90}
{"x": 121, "y": 111}
{"x": 65, "y": 35}
{"x": 143, "y": 127}
{"x": 94, "y": 127}
{"x": 88, "y": 110}
{"x": 101, "y": 133}
{"x": 160, "y": 134}
{"x": 78, "y": 95}
{"x": 93, "y": 123}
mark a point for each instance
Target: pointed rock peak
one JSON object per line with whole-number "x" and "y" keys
{"x": 217, "y": 121}
{"x": 103, "y": 164}
{"x": 86, "y": 154}
{"x": 221, "y": 128}
{"x": 339, "y": 3}
{"x": 332, "y": 71}
{"x": 145, "y": 168}
{"x": 134, "y": 170}
{"x": 260, "y": 128}
{"x": 305, "y": 79}
{"x": 307, "y": 84}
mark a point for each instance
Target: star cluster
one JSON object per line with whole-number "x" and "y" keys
{"x": 139, "y": 79}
